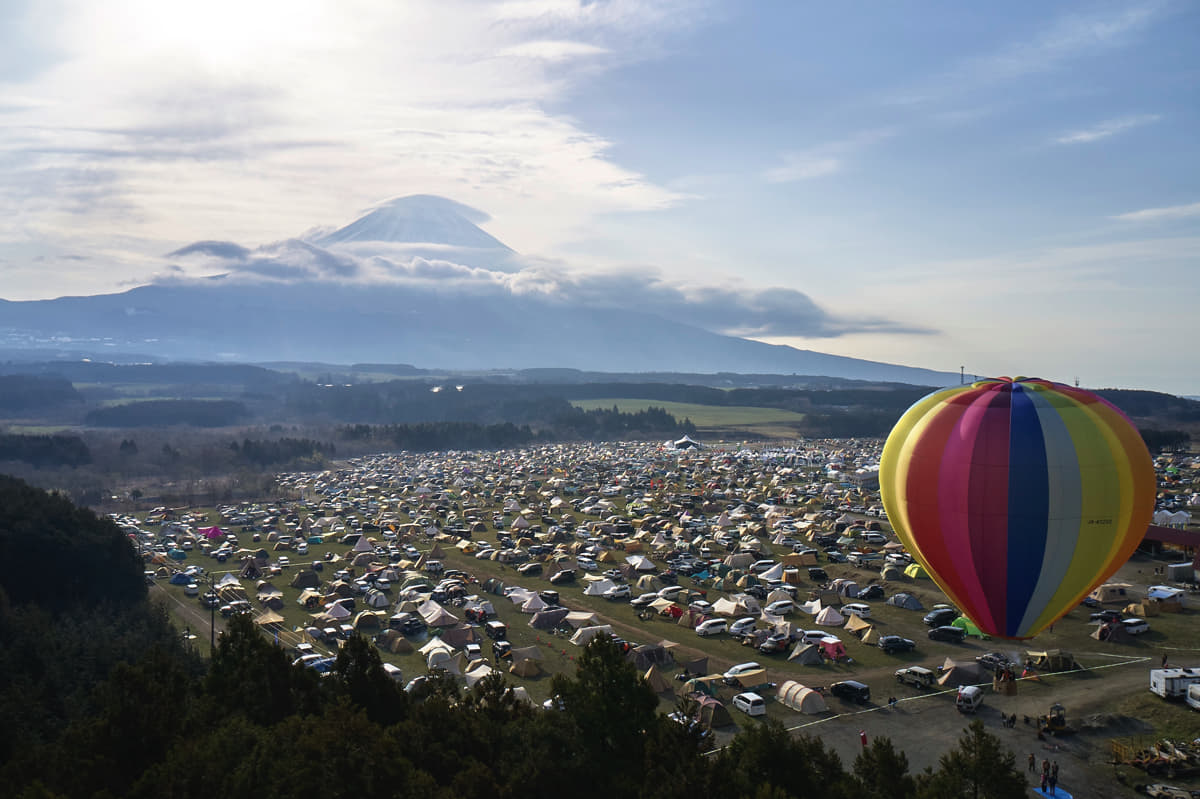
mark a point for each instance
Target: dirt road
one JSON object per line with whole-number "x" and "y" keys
{"x": 925, "y": 726}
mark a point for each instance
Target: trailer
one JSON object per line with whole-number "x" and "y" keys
{"x": 1173, "y": 683}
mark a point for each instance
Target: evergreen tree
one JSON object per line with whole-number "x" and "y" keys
{"x": 883, "y": 771}
{"x": 980, "y": 767}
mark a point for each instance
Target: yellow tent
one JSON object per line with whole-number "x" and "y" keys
{"x": 915, "y": 571}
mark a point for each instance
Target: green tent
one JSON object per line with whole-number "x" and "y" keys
{"x": 963, "y": 623}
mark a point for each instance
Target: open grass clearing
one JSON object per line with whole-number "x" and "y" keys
{"x": 703, "y": 416}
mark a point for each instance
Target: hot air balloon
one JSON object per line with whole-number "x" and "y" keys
{"x": 1019, "y": 496}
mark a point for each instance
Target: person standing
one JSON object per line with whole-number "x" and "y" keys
{"x": 1032, "y": 763}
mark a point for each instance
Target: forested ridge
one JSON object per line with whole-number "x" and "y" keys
{"x": 102, "y": 698}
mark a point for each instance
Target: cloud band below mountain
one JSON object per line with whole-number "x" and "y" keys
{"x": 742, "y": 311}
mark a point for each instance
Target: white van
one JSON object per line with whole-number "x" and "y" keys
{"x": 1193, "y": 696}
{"x": 711, "y": 627}
{"x": 393, "y": 671}
{"x": 781, "y": 607}
{"x": 970, "y": 697}
{"x": 751, "y": 704}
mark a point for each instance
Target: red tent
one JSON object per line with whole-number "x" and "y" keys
{"x": 833, "y": 649}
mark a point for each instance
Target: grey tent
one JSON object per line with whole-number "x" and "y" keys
{"x": 305, "y": 578}
{"x": 548, "y": 619}
{"x": 806, "y": 654}
{"x": 890, "y": 572}
{"x": 647, "y": 655}
{"x": 960, "y": 672}
{"x": 906, "y": 601}
{"x": 460, "y": 636}
{"x": 698, "y": 666}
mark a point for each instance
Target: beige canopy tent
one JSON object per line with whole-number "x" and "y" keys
{"x": 801, "y": 698}
{"x": 658, "y": 682}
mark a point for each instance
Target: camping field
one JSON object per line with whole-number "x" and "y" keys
{"x": 1106, "y": 700}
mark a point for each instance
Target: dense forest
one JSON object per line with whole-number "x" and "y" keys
{"x": 169, "y": 413}
{"x": 44, "y": 450}
{"x": 35, "y": 392}
{"x": 102, "y": 698}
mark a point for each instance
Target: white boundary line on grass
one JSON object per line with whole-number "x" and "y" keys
{"x": 826, "y": 719}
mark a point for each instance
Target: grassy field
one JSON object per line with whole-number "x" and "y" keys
{"x": 772, "y": 422}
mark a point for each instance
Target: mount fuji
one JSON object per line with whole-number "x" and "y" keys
{"x": 417, "y": 281}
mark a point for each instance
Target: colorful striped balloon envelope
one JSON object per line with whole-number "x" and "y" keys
{"x": 1019, "y": 496}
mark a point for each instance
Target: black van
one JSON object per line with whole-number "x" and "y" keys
{"x": 851, "y": 690}
{"x": 496, "y": 630}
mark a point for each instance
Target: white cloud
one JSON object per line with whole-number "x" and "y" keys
{"x": 252, "y": 121}
{"x": 729, "y": 308}
{"x": 1070, "y": 36}
{"x": 800, "y": 166}
{"x": 1107, "y": 128}
{"x": 1167, "y": 214}
{"x": 823, "y": 160}
{"x": 550, "y": 50}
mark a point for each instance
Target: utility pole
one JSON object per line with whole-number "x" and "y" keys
{"x": 962, "y": 375}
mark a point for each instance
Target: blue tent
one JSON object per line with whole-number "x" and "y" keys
{"x": 177, "y": 554}
{"x": 179, "y": 578}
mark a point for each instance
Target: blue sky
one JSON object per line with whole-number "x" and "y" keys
{"x": 1009, "y": 187}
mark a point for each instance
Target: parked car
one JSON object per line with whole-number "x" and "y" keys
{"x": 562, "y": 576}
{"x": 860, "y": 609}
{"x": 874, "y": 538}
{"x": 874, "y": 591}
{"x": 750, "y": 703}
{"x": 670, "y": 592}
{"x": 891, "y": 644}
{"x": 780, "y": 607}
{"x": 711, "y": 627}
{"x": 940, "y": 616}
{"x": 644, "y": 600}
{"x": 993, "y": 661}
{"x": 529, "y": 569}
{"x": 618, "y": 592}
{"x": 586, "y": 563}
{"x": 954, "y": 635}
{"x": 741, "y": 668}
{"x": 916, "y": 676}
{"x": 477, "y": 615}
{"x": 776, "y": 642}
{"x": 817, "y": 636}
{"x": 817, "y": 574}
{"x": 1104, "y": 616}
{"x": 742, "y": 626}
{"x": 1135, "y": 626}
{"x": 851, "y": 690}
